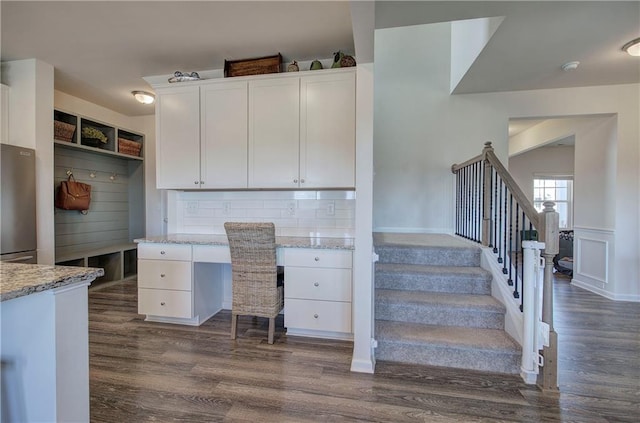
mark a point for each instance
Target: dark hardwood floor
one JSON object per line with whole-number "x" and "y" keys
{"x": 151, "y": 372}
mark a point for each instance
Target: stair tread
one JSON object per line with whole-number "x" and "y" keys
{"x": 445, "y": 299}
{"x": 453, "y": 336}
{"x": 433, "y": 270}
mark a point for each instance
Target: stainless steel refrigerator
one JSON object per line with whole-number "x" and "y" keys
{"x": 18, "y": 204}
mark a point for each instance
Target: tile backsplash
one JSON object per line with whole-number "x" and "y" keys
{"x": 295, "y": 213}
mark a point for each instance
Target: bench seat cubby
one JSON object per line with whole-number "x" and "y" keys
{"x": 118, "y": 261}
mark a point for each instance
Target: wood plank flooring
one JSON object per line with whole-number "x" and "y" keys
{"x": 152, "y": 372}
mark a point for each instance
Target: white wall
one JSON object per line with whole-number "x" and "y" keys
{"x": 543, "y": 160}
{"x": 420, "y": 131}
{"x": 31, "y": 125}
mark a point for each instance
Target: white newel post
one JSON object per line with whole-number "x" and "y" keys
{"x": 532, "y": 289}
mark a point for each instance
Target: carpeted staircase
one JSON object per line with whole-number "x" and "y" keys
{"x": 434, "y": 306}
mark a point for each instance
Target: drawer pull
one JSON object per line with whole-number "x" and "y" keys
{"x": 162, "y": 252}
{"x": 317, "y": 259}
{"x": 162, "y": 275}
{"x": 316, "y": 284}
{"x": 162, "y": 303}
{"x": 315, "y": 316}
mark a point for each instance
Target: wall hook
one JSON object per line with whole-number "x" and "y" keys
{"x": 92, "y": 174}
{"x": 113, "y": 176}
{"x": 69, "y": 172}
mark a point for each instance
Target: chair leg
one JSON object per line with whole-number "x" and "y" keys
{"x": 272, "y": 329}
{"x": 234, "y": 326}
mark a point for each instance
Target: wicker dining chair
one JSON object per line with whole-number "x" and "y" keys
{"x": 254, "y": 273}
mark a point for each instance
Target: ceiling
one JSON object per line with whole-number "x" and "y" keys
{"x": 101, "y": 50}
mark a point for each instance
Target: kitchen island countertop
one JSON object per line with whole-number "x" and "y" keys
{"x": 18, "y": 280}
{"x": 334, "y": 243}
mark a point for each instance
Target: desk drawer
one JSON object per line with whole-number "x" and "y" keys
{"x": 154, "y": 251}
{"x": 317, "y": 315}
{"x": 165, "y": 303}
{"x": 308, "y": 257}
{"x": 211, "y": 254}
{"x": 159, "y": 274}
{"x": 317, "y": 283}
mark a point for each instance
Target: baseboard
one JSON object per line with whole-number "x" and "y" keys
{"x": 390, "y": 229}
{"x": 603, "y": 293}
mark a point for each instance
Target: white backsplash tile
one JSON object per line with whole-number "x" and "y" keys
{"x": 295, "y": 213}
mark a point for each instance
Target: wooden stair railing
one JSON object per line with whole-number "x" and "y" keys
{"x": 492, "y": 210}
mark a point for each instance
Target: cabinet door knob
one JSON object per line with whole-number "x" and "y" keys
{"x": 316, "y": 284}
{"x": 162, "y": 303}
{"x": 162, "y": 275}
{"x": 201, "y": 182}
{"x": 162, "y": 252}
{"x": 317, "y": 259}
{"x": 302, "y": 181}
{"x": 295, "y": 181}
{"x": 196, "y": 182}
{"x": 315, "y": 316}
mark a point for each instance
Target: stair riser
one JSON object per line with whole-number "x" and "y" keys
{"x": 430, "y": 256}
{"x": 434, "y": 283}
{"x": 444, "y": 316}
{"x": 446, "y": 356}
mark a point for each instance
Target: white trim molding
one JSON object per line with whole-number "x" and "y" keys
{"x": 593, "y": 255}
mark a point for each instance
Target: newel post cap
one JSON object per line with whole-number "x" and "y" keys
{"x": 549, "y": 206}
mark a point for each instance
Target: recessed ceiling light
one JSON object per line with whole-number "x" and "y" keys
{"x": 569, "y": 66}
{"x": 632, "y": 47}
{"x": 144, "y": 97}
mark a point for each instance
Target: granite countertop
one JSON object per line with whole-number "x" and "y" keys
{"x": 18, "y": 280}
{"x": 281, "y": 241}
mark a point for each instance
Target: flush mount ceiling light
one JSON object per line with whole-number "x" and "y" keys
{"x": 632, "y": 47}
{"x": 569, "y": 66}
{"x": 144, "y": 97}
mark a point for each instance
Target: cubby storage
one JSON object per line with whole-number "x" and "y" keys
{"x": 103, "y": 236}
{"x": 118, "y": 261}
{"x": 76, "y": 131}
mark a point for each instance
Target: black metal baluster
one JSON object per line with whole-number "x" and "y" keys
{"x": 522, "y": 267}
{"x": 500, "y": 223}
{"x": 510, "y": 280}
{"x": 469, "y": 193}
{"x": 495, "y": 213}
{"x": 504, "y": 262}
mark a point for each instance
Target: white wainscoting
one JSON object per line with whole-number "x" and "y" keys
{"x": 593, "y": 255}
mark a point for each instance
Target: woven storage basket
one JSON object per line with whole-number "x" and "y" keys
{"x": 129, "y": 147}
{"x": 63, "y": 131}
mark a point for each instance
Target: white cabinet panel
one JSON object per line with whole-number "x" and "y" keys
{"x": 223, "y": 156}
{"x": 307, "y": 257}
{"x": 318, "y": 315}
{"x": 211, "y": 254}
{"x": 165, "y": 303}
{"x": 318, "y": 284}
{"x": 157, "y": 274}
{"x": 178, "y": 137}
{"x": 274, "y": 133}
{"x": 159, "y": 251}
{"x": 327, "y": 130}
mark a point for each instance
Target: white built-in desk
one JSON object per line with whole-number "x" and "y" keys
{"x": 186, "y": 279}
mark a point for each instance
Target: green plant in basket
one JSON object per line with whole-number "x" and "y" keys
{"x": 91, "y": 132}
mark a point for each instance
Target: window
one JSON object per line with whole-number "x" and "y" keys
{"x": 559, "y": 190}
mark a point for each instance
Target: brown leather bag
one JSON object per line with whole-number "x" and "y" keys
{"x": 73, "y": 195}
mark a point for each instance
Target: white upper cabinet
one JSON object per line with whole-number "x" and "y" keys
{"x": 264, "y": 132}
{"x": 327, "y": 130}
{"x": 178, "y": 137}
{"x": 274, "y": 128}
{"x": 223, "y": 123}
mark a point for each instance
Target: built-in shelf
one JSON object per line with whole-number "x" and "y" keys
{"x": 106, "y": 139}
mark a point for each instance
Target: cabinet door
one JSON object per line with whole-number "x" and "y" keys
{"x": 274, "y": 112}
{"x": 327, "y": 130}
{"x": 4, "y": 113}
{"x": 178, "y": 137}
{"x": 223, "y": 123}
